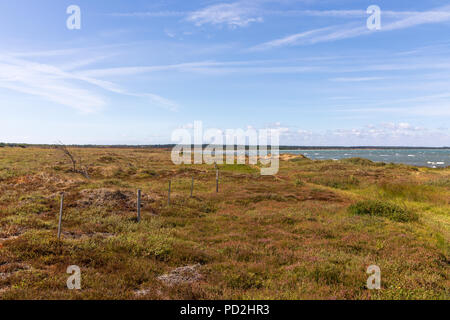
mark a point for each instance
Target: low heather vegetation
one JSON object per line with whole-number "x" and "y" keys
{"x": 310, "y": 232}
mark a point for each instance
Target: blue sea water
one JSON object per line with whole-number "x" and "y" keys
{"x": 433, "y": 158}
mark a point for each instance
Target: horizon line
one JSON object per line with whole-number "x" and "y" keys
{"x": 169, "y": 145}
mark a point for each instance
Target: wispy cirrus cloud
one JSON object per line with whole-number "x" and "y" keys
{"x": 340, "y": 13}
{"x": 49, "y": 83}
{"x": 276, "y": 66}
{"x": 62, "y": 86}
{"x": 357, "y": 79}
{"x": 233, "y": 15}
{"x": 237, "y": 14}
{"x": 150, "y": 14}
{"x": 351, "y": 30}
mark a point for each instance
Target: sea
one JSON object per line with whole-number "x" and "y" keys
{"x": 433, "y": 158}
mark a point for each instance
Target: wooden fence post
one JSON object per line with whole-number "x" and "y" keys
{"x": 217, "y": 180}
{"x": 139, "y": 205}
{"x": 168, "y": 198}
{"x": 60, "y": 215}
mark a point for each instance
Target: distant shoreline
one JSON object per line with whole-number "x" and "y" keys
{"x": 284, "y": 148}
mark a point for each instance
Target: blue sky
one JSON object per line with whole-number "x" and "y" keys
{"x": 137, "y": 70}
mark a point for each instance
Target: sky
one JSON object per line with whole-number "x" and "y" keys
{"x": 137, "y": 70}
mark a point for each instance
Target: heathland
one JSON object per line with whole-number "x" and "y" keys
{"x": 309, "y": 232}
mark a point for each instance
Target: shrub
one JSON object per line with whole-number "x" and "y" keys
{"x": 300, "y": 158}
{"x": 383, "y": 209}
{"x": 337, "y": 182}
{"x": 358, "y": 161}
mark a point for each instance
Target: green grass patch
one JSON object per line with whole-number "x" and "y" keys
{"x": 409, "y": 191}
{"x": 358, "y": 161}
{"x": 383, "y": 209}
{"x": 239, "y": 168}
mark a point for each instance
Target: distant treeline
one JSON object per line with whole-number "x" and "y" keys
{"x": 14, "y": 145}
{"x": 169, "y": 146}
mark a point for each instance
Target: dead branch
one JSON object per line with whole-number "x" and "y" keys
{"x": 83, "y": 169}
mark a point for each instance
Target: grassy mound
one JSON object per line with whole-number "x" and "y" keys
{"x": 383, "y": 209}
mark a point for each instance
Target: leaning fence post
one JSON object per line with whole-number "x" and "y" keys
{"x": 168, "y": 198}
{"x": 60, "y": 215}
{"x": 217, "y": 180}
{"x": 139, "y": 205}
{"x": 192, "y": 186}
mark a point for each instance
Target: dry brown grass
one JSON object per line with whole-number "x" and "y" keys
{"x": 284, "y": 237}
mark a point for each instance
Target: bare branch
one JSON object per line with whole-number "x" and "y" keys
{"x": 83, "y": 169}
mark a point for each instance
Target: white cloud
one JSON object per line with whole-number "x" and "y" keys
{"x": 150, "y": 14}
{"x": 345, "y": 65}
{"x": 60, "y": 86}
{"x": 49, "y": 83}
{"x": 341, "y": 13}
{"x": 339, "y": 32}
{"x": 169, "y": 33}
{"x": 392, "y": 133}
{"x": 161, "y": 101}
{"x": 238, "y": 14}
{"x": 356, "y": 79}
{"x": 125, "y": 71}
{"x": 292, "y": 39}
{"x": 436, "y": 105}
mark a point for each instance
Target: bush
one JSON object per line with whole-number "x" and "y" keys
{"x": 337, "y": 182}
{"x": 358, "y": 161}
{"x": 383, "y": 209}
